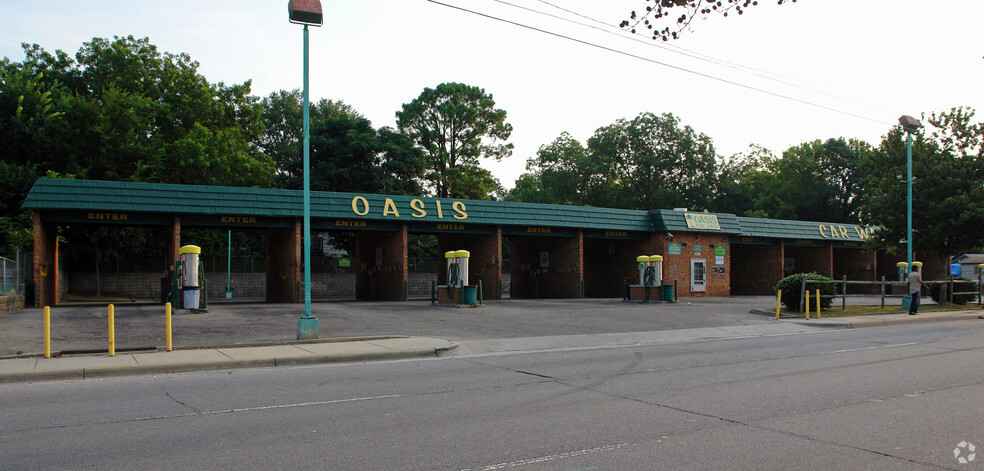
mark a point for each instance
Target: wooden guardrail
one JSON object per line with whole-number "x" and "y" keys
{"x": 884, "y": 284}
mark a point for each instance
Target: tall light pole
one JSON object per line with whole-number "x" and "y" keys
{"x": 909, "y": 125}
{"x": 306, "y": 12}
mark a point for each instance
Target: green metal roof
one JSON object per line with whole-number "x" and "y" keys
{"x": 675, "y": 220}
{"x": 801, "y": 230}
{"x": 95, "y": 195}
{"x": 202, "y": 200}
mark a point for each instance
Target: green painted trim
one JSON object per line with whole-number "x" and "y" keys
{"x": 130, "y": 218}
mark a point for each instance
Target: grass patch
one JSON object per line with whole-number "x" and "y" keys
{"x": 872, "y": 310}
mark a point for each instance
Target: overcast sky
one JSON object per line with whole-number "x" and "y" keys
{"x": 776, "y": 76}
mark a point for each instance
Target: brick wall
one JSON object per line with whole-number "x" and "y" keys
{"x": 756, "y": 269}
{"x": 856, "y": 265}
{"x": 811, "y": 259}
{"x": 677, "y": 267}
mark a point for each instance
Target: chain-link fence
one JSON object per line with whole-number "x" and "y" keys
{"x": 14, "y": 273}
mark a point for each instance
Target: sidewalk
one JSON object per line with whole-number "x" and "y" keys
{"x": 178, "y": 361}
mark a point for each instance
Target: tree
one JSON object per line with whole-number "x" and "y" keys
{"x": 814, "y": 181}
{"x": 449, "y": 123}
{"x": 649, "y": 162}
{"x": 556, "y": 175}
{"x": 349, "y": 155}
{"x": 121, "y": 110}
{"x": 741, "y": 179}
{"x": 653, "y": 162}
{"x": 947, "y": 196}
{"x": 664, "y": 23}
{"x": 282, "y": 138}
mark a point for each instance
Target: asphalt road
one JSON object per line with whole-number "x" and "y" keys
{"x": 878, "y": 398}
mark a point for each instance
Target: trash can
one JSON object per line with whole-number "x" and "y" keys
{"x": 469, "y": 295}
{"x": 667, "y": 293}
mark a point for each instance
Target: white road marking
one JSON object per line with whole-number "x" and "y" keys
{"x": 876, "y": 347}
{"x": 541, "y": 459}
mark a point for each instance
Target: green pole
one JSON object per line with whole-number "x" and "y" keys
{"x": 229, "y": 269}
{"x": 908, "y": 184}
{"x": 307, "y": 325}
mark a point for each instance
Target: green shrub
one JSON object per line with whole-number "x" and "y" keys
{"x": 792, "y": 284}
{"x": 960, "y": 285}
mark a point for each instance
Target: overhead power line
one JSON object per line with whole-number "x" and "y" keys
{"x": 673, "y": 48}
{"x": 660, "y": 63}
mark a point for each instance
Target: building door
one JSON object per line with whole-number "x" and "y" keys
{"x": 698, "y": 277}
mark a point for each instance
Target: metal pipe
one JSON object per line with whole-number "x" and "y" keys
{"x": 112, "y": 331}
{"x": 167, "y": 326}
{"x": 47, "y": 332}
{"x": 229, "y": 267}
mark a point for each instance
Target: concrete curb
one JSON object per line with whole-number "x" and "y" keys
{"x": 888, "y": 320}
{"x": 213, "y": 359}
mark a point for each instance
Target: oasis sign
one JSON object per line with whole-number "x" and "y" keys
{"x": 417, "y": 208}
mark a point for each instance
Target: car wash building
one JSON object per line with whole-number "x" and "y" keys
{"x": 556, "y": 251}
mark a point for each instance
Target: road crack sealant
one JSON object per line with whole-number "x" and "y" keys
{"x": 182, "y": 404}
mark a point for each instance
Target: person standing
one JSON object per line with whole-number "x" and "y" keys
{"x": 915, "y": 287}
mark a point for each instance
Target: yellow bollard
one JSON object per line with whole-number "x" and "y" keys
{"x": 818, "y": 304}
{"x": 47, "y": 332}
{"x": 807, "y": 304}
{"x": 167, "y": 325}
{"x": 112, "y": 332}
{"x": 778, "y": 299}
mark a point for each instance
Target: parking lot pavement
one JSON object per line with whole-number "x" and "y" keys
{"x": 140, "y": 326}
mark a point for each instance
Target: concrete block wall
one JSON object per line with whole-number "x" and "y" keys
{"x": 10, "y": 304}
{"x": 137, "y": 285}
{"x": 145, "y": 286}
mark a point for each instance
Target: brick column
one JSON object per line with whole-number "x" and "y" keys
{"x": 567, "y": 267}
{"x": 485, "y": 262}
{"x": 283, "y": 264}
{"x": 382, "y": 266}
{"x": 45, "y": 267}
{"x": 173, "y": 243}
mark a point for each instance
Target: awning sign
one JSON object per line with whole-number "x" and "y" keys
{"x": 703, "y": 221}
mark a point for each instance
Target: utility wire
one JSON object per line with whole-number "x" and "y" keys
{"x": 669, "y": 47}
{"x": 664, "y": 64}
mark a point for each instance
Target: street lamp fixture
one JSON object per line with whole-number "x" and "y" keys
{"x": 909, "y": 125}
{"x": 306, "y": 12}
